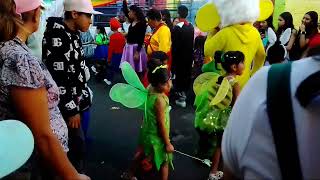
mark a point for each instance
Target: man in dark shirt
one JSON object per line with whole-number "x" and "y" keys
{"x": 64, "y": 56}
{"x": 182, "y": 54}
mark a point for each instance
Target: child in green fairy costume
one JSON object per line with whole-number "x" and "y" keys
{"x": 156, "y": 123}
{"x": 215, "y": 96}
{"x": 154, "y": 134}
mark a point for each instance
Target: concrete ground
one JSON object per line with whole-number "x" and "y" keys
{"x": 114, "y": 134}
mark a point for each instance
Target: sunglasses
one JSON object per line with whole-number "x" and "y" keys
{"x": 86, "y": 14}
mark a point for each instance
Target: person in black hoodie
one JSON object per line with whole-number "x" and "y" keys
{"x": 64, "y": 57}
{"x": 182, "y": 54}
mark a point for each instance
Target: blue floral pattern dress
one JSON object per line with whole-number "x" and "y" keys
{"x": 18, "y": 67}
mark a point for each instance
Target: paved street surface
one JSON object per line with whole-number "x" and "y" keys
{"x": 114, "y": 133}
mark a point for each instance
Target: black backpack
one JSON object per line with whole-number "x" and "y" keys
{"x": 281, "y": 119}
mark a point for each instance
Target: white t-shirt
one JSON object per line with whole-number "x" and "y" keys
{"x": 126, "y": 26}
{"x": 247, "y": 146}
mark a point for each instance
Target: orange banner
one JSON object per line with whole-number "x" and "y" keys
{"x": 99, "y": 3}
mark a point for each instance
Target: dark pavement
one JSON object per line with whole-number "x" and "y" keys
{"x": 114, "y": 134}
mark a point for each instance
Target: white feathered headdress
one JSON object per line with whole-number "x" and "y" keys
{"x": 237, "y": 11}
{"x": 225, "y": 13}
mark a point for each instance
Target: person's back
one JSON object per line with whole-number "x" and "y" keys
{"x": 117, "y": 43}
{"x": 182, "y": 54}
{"x": 248, "y": 146}
{"x": 182, "y": 44}
{"x": 248, "y": 41}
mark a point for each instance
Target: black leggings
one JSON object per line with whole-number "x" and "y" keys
{"x": 206, "y": 142}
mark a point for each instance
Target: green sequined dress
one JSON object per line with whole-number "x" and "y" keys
{"x": 209, "y": 118}
{"x": 150, "y": 137}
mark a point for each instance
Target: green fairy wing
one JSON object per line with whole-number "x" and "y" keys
{"x": 131, "y": 95}
{"x": 223, "y": 91}
{"x": 131, "y": 76}
{"x": 204, "y": 81}
{"x": 212, "y": 102}
{"x": 127, "y": 95}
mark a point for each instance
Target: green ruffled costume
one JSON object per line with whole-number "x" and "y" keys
{"x": 211, "y": 118}
{"x": 102, "y": 39}
{"x": 135, "y": 95}
{"x": 150, "y": 138}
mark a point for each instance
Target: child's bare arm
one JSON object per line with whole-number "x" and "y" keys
{"x": 236, "y": 91}
{"x": 160, "y": 113}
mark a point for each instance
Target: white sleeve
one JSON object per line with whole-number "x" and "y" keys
{"x": 239, "y": 128}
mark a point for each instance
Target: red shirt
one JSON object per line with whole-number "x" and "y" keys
{"x": 116, "y": 45}
{"x": 315, "y": 41}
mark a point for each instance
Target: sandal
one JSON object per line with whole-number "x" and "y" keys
{"x": 126, "y": 176}
{"x": 216, "y": 176}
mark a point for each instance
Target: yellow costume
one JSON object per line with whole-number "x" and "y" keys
{"x": 160, "y": 40}
{"x": 244, "y": 38}
{"x": 235, "y": 19}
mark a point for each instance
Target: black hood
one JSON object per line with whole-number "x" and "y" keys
{"x": 51, "y": 21}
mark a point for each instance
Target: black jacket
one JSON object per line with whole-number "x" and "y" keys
{"x": 182, "y": 45}
{"x": 63, "y": 56}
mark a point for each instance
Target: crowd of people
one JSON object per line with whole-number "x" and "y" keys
{"x": 166, "y": 62}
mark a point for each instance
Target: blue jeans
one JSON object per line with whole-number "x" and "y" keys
{"x": 114, "y": 67}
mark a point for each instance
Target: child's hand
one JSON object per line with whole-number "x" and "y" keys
{"x": 169, "y": 148}
{"x": 83, "y": 177}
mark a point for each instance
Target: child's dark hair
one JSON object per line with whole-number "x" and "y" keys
{"x": 270, "y": 22}
{"x": 166, "y": 17}
{"x": 159, "y": 56}
{"x": 288, "y": 19}
{"x": 102, "y": 31}
{"x": 154, "y": 14}
{"x": 276, "y": 53}
{"x": 157, "y": 59}
{"x": 157, "y": 74}
{"x": 228, "y": 59}
{"x": 139, "y": 14}
{"x": 183, "y": 11}
{"x": 312, "y": 29}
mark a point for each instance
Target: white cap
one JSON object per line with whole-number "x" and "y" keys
{"x": 84, "y": 6}
{"x": 26, "y": 5}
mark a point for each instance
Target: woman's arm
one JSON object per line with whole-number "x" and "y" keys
{"x": 125, "y": 8}
{"x": 303, "y": 41}
{"x": 292, "y": 40}
{"x": 32, "y": 108}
